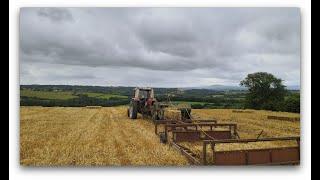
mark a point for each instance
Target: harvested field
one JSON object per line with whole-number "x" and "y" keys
{"x": 83, "y": 136}
{"x": 251, "y": 124}
{"x": 242, "y": 111}
{"x": 94, "y": 107}
{"x": 284, "y": 118}
{"x": 105, "y": 136}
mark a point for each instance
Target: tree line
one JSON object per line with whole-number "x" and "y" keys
{"x": 82, "y": 100}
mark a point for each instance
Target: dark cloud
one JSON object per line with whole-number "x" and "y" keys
{"x": 165, "y": 45}
{"x": 55, "y": 14}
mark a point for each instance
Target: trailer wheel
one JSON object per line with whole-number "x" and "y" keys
{"x": 163, "y": 138}
{"x": 161, "y": 114}
{"x": 133, "y": 110}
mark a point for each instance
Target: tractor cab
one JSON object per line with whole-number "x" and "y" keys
{"x": 140, "y": 93}
{"x": 144, "y": 95}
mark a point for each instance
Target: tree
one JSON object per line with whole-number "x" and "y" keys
{"x": 265, "y": 91}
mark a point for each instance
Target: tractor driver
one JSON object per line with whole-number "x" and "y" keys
{"x": 147, "y": 100}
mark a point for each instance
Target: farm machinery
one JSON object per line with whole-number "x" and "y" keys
{"x": 184, "y": 131}
{"x": 144, "y": 102}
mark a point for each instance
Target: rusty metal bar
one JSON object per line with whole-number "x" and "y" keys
{"x": 205, "y": 121}
{"x": 193, "y": 135}
{"x": 213, "y": 146}
{"x": 202, "y": 124}
{"x": 204, "y": 154}
{"x": 174, "y": 122}
{"x": 166, "y": 133}
{"x": 280, "y": 155}
{"x": 186, "y": 152}
{"x": 195, "y": 130}
{"x": 280, "y": 163}
{"x": 297, "y": 138}
{"x": 165, "y": 121}
{"x": 180, "y": 121}
{"x": 173, "y": 128}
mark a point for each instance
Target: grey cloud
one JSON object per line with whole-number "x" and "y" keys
{"x": 56, "y": 14}
{"x": 203, "y": 45}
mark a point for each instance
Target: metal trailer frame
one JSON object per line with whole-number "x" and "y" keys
{"x": 190, "y": 132}
{"x": 194, "y": 131}
{"x": 158, "y": 123}
{"x": 266, "y": 156}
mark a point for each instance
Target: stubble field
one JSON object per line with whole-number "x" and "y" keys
{"x": 64, "y": 136}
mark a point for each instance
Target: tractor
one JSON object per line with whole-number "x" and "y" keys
{"x": 144, "y": 102}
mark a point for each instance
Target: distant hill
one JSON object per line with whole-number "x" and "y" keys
{"x": 293, "y": 87}
{"x": 218, "y": 87}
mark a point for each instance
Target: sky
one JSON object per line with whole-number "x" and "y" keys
{"x": 158, "y": 47}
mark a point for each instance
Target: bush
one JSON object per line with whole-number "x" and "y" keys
{"x": 197, "y": 106}
{"x": 292, "y": 103}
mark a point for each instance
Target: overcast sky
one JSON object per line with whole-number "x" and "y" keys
{"x": 162, "y": 47}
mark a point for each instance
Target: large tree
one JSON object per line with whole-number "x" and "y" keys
{"x": 265, "y": 91}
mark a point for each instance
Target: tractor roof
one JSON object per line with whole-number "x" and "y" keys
{"x": 143, "y": 88}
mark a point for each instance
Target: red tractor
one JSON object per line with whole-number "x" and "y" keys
{"x": 145, "y": 103}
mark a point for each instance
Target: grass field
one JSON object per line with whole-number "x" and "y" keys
{"x": 104, "y": 96}
{"x": 61, "y": 95}
{"x": 105, "y": 136}
{"x": 64, "y": 95}
{"x": 189, "y": 102}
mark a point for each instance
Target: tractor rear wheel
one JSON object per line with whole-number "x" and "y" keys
{"x": 128, "y": 113}
{"x": 133, "y": 110}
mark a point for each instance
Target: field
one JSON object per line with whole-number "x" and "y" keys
{"x": 105, "y": 136}
{"x": 81, "y": 136}
{"x": 103, "y": 95}
{"x": 60, "y": 95}
{"x": 188, "y": 102}
{"x": 64, "y": 95}
{"x": 251, "y": 124}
